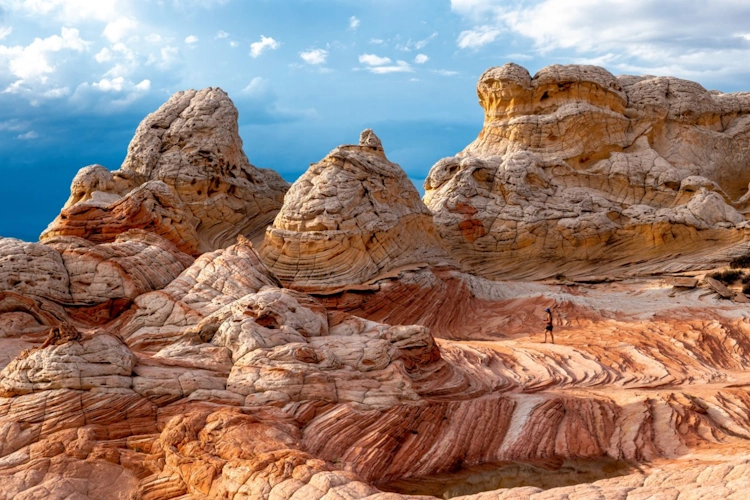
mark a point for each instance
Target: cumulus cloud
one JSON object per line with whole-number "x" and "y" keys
{"x": 659, "y": 36}
{"x": 34, "y": 60}
{"x": 314, "y": 56}
{"x": 221, "y": 34}
{"x": 477, "y": 37}
{"x": 265, "y": 43}
{"x": 72, "y": 11}
{"x": 117, "y": 29}
{"x": 153, "y": 38}
{"x": 103, "y": 55}
{"x": 191, "y": 40}
{"x": 5, "y": 31}
{"x": 373, "y": 60}
{"x": 421, "y": 58}
{"x": 399, "y": 67}
{"x": 120, "y": 84}
{"x": 353, "y": 23}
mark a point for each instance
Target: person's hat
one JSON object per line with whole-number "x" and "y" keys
{"x": 548, "y": 310}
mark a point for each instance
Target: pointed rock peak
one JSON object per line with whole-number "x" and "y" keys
{"x": 367, "y": 138}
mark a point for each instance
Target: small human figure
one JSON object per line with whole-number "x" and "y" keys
{"x": 548, "y": 326}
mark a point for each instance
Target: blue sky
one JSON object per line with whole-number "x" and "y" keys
{"x": 76, "y": 76}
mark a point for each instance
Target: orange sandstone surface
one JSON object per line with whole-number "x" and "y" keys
{"x": 178, "y": 332}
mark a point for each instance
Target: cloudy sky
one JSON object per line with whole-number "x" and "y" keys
{"x": 76, "y": 76}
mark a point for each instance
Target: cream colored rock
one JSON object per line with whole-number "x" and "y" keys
{"x": 214, "y": 280}
{"x": 207, "y": 191}
{"x": 575, "y": 167}
{"x": 351, "y": 217}
{"x": 135, "y": 263}
{"x": 101, "y": 361}
{"x": 33, "y": 269}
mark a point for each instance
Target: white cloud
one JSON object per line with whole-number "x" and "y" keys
{"x": 444, "y": 72}
{"x": 221, "y": 34}
{"x": 377, "y": 41}
{"x": 5, "y": 31}
{"x": 477, "y": 37}
{"x": 154, "y": 38}
{"x": 314, "y": 56}
{"x": 143, "y": 86}
{"x": 265, "y": 43}
{"x": 373, "y": 60}
{"x": 28, "y": 136}
{"x": 191, "y": 39}
{"x": 103, "y": 55}
{"x": 421, "y": 59}
{"x": 114, "y": 85}
{"x": 654, "y": 36}
{"x": 72, "y": 11}
{"x": 420, "y": 44}
{"x": 257, "y": 86}
{"x": 234, "y": 44}
{"x": 117, "y": 29}
{"x": 33, "y": 61}
{"x": 57, "y": 93}
{"x": 353, "y": 23}
{"x": 412, "y": 45}
{"x": 399, "y": 67}
{"x": 119, "y": 84}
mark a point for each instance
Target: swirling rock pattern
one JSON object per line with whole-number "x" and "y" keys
{"x": 575, "y": 166}
{"x": 148, "y": 351}
{"x": 185, "y": 177}
{"x": 350, "y": 218}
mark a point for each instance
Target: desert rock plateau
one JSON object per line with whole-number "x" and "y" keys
{"x": 191, "y": 326}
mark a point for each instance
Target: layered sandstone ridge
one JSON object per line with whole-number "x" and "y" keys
{"x": 185, "y": 178}
{"x": 576, "y": 167}
{"x": 349, "y": 219}
{"x": 149, "y": 350}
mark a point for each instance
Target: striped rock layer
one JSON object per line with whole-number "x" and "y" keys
{"x": 577, "y": 169}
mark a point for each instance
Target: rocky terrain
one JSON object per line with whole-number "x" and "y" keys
{"x": 192, "y": 327}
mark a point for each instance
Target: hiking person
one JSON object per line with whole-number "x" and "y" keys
{"x": 548, "y": 327}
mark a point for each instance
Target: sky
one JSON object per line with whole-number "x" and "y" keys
{"x": 77, "y": 76}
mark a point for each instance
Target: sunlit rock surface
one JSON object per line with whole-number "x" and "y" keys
{"x": 152, "y": 347}
{"x": 576, "y": 167}
{"x": 350, "y": 218}
{"x": 185, "y": 177}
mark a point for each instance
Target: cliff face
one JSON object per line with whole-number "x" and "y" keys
{"x": 147, "y": 350}
{"x": 576, "y": 167}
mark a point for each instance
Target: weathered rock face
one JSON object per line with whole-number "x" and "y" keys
{"x": 576, "y": 166}
{"x": 350, "y": 218}
{"x": 131, "y": 369}
{"x": 185, "y": 177}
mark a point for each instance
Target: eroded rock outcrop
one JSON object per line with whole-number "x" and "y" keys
{"x": 350, "y": 218}
{"x": 576, "y": 166}
{"x": 351, "y": 358}
{"x": 185, "y": 177}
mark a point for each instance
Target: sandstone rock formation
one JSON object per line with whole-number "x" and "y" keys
{"x": 185, "y": 178}
{"x": 351, "y": 357}
{"x": 350, "y": 218}
{"x": 575, "y": 166}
